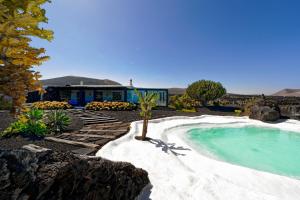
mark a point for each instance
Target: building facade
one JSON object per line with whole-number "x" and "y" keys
{"x": 80, "y": 95}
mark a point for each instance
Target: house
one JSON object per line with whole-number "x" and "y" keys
{"x": 87, "y": 90}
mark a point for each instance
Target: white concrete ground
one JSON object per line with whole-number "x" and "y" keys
{"x": 178, "y": 171}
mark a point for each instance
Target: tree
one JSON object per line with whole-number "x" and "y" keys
{"x": 19, "y": 22}
{"x": 205, "y": 90}
{"x": 147, "y": 102}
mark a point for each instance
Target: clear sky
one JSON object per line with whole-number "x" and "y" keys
{"x": 251, "y": 46}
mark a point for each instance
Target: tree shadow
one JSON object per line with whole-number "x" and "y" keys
{"x": 168, "y": 147}
{"x": 145, "y": 193}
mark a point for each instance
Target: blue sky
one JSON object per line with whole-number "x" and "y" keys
{"x": 251, "y": 46}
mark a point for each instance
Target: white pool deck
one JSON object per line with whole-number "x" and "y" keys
{"x": 178, "y": 171}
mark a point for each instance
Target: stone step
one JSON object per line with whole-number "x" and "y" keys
{"x": 76, "y": 143}
{"x": 102, "y": 131}
{"x": 101, "y": 118}
{"x": 98, "y": 122}
{"x": 93, "y": 119}
{"x": 90, "y": 136}
{"x": 112, "y": 124}
{"x": 84, "y": 151}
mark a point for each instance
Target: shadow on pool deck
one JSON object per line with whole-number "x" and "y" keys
{"x": 165, "y": 147}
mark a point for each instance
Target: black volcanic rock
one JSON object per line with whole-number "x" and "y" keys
{"x": 290, "y": 111}
{"x": 55, "y": 176}
{"x": 264, "y": 113}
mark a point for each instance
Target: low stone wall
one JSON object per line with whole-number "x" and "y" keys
{"x": 54, "y": 176}
{"x": 289, "y": 107}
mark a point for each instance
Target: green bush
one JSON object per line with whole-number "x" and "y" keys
{"x": 29, "y": 124}
{"x": 14, "y": 129}
{"x": 183, "y": 102}
{"x": 57, "y": 120}
{"x": 249, "y": 104}
{"x": 189, "y": 110}
{"x": 238, "y": 112}
{"x": 175, "y": 102}
{"x": 205, "y": 90}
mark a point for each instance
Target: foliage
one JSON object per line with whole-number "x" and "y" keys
{"x": 147, "y": 102}
{"x": 238, "y": 112}
{"x": 205, "y": 90}
{"x": 192, "y": 110}
{"x": 29, "y": 124}
{"x": 19, "y": 22}
{"x": 249, "y": 104}
{"x": 14, "y": 129}
{"x": 5, "y": 104}
{"x": 51, "y": 105}
{"x": 183, "y": 102}
{"x": 57, "y": 120}
{"x": 110, "y": 106}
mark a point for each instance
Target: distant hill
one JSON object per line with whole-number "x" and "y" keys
{"x": 176, "y": 91}
{"x": 288, "y": 93}
{"x": 75, "y": 80}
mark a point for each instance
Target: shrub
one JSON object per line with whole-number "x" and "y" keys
{"x": 249, "y": 104}
{"x": 51, "y": 105}
{"x": 14, "y": 129}
{"x": 110, "y": 106}
{"x": 183, "y": 102}
{"x": 238, "y": 112}
{"x": 57, "y": 120}
{"x": 29, "y": 124}
{"x": 189, "y": 110}
{"x": 205, "y": 91}
{"x": 175, "y": 102}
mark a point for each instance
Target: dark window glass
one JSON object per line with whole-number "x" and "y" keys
{"x": 98, "y": 96}
{"x": 116, "y": 96}
{"x": 65, "y": 95}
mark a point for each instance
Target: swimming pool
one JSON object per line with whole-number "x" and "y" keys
{"x": 182, "y": 168}
{"x": 262, "y": 148}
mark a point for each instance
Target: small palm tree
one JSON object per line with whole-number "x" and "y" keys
{"x": 147, "y": 102}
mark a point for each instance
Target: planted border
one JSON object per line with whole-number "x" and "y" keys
{"x": 112, "y": 106}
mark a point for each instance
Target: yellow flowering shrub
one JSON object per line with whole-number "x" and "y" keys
{"x": 110, "y": 106}
{"x": 51, "y": 105}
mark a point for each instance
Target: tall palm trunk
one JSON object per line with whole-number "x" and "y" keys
{"x": 145, "y": 127}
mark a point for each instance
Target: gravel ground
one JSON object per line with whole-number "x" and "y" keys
{"x": 18, "y": 142}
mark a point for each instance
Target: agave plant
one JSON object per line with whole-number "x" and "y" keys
{"x": 57, "y": 120}
{"x": 147, "y": 102}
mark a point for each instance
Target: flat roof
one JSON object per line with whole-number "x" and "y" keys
{"x": 86, "y": 86}
{"x": 103, "y": 86}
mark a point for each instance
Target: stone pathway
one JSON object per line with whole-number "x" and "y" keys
{"x": 98, "y": 130}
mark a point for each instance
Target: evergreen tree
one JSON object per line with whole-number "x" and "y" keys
{"x": 205, "y": 90}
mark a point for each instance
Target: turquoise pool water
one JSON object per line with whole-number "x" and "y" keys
{"x": 266, "y": 149}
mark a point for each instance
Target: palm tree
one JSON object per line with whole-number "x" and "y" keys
{"x": 147, "y": 102}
